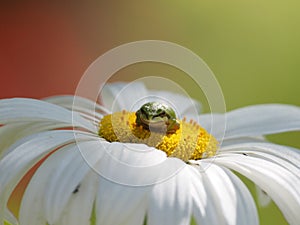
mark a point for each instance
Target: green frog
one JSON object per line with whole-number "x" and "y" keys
{"x": 158, "y": 117}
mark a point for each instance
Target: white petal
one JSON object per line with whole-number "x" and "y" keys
{"x": 286, "y": 157}
{"x": 79, "y": 104}
{"x": 12, "y": 132}
{"x": 279, "y": 183}
{"x": 42, "y": 143}
{"x": 52, "y": 185}
{"x": 262, "y": 197}
{"x": 214, "y": 123}
{"x": 78, "y": 211}
{"x": 131, "y": 96}
{"x": 25, "y": 110}
{"x": 67, "y": 175}
{"x": 136, "y": 164}
{"x": 259, "y": 120}
{"x": 240, "y": 140}
{"x": 121, "y": 95}
{"x": 170, "y": 202}
{"x": 32, "y": 210}
{"x": 203, "y": 210}
{"x": 118, "y": 204}
{"x": 230, "y": 198}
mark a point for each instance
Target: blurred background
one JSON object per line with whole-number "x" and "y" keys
{"x": 252, "y": 47}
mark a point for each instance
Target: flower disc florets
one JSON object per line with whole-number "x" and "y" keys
{"x": 188, "y": 141}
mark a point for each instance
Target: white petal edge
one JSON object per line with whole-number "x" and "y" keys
{"x": 276, "y": 181}
{"x": 9, "y": 217}
{"x": 284, "y": 156}
{"x": 79, "y": 104}
{"x": 230, "y": 198}
{"x": 202, "y": 209}
{"x": 29, "y": 110}
{"x": 263, "y": 199}
{"x": 170, "y": 202}
{"x": 240, "y": 140}
{"x": 255, "y": 120}
{"x": 13, "y": 132}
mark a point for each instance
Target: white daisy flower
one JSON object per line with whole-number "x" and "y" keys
{"x": 64, "y": 164}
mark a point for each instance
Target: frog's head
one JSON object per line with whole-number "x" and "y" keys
{"x": 157, "y": 116}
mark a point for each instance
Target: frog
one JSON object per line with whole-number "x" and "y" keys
{"x": 157, "y": 116}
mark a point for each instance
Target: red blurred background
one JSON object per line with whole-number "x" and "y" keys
{"x": 42, "y": 48}
{"x": 252, "y": 46}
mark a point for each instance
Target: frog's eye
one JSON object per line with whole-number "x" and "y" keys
{"x": 162, "y": 114}
{"x": 143, "y": 110}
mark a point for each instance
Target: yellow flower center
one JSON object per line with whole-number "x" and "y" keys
{"x": 190, "y": 141}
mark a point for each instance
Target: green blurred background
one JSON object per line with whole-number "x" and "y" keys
{"x": 253, "y": 47}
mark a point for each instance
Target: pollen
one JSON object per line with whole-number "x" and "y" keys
{"x": 190, "y": 141}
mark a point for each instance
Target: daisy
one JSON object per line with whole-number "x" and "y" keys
{"x": 67, "y": 163}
